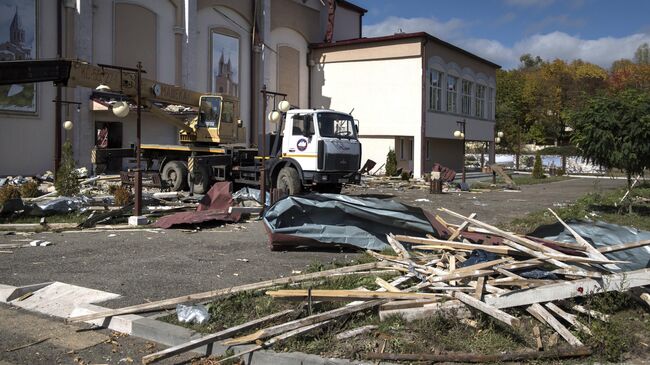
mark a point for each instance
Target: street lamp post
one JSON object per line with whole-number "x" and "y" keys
{"x": 497, "y": 140}
{"x": 460, "y": 133}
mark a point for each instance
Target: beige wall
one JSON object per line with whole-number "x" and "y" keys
{"x": 302, "y": 19}
{"x": 376, "y": 149}
{"x": 27, "y": 140}
{"x": 288, "y": 75}
{"x": 136, "y": 37}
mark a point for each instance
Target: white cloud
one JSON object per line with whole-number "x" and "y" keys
{"x": 391, "y": 25}
{"x": 601, "y": 51}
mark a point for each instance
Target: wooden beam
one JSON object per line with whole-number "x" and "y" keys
{"x": 386, "y": 285}
{"x": 307, "y": 321}
{"x": 397, "y": 247}
{"x": 570, "y": 289}
{"x": 571, "y": 318}
{"x": 459, "y": 275}
{"x": 487, "y": 309}
{"x": 554, "y": 323}
{"x": 461, "y": 228}
{"x": 165, "y": 303}
{"x": 345, "y": 295}
{"x": 623, "y": 246}
{"x": 228, "y": 332}
{"x": 480, "y": 285}
{"x": 538, "y": 338}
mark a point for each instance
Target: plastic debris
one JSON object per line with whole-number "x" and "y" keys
{"x": 192, "y": 314}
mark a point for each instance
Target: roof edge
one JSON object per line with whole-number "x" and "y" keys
{"x": 402, "y": 36}
{"x": 351, "y": 6}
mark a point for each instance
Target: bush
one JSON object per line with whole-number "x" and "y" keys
{"x": 122, "y": 195}
{"x": 66, "y": 182}
{"x": 391, "y": 163}
{"x": 29, "y": 189}
{"x": 8, "y": 192}
{"x": 538, "y": 172}
{"x": 406, "y": 176}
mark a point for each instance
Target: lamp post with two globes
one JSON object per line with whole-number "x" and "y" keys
{"x": 460, "y": 133}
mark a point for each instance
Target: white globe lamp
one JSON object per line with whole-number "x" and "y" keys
{"x": 121, "y": 109}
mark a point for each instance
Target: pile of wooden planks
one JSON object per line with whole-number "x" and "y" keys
{"x": 470, "y": 267}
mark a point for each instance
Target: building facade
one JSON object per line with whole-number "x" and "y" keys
{"x": 228, "y": 46}
{"x": 408, "y": 92}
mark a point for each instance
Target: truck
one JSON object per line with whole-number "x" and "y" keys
{"x": 308, "y": 150}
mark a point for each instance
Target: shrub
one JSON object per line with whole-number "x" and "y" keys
{"x": 29, "y": 189}
{"x": 122, "y": 195}
{"x": 8, "y": 192}
{"x": 66, "y": 182}
{"x": 405, "y": 176}
{"x": 538, "y": 172}
{"x": 391, "y": 163}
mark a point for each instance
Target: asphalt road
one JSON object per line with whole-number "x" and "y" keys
{"x": 151, "y": 265}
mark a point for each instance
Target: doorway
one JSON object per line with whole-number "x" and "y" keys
{"x": 109, "y": 135}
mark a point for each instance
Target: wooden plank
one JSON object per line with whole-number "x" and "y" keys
{"x": 461, "y": 228}
{"x": 165, "y": 303}
{"x": 345, "y": 295}
{"x": 355, "y": 332}
{"x": 453, "y": 308}
{"x": 487, "y": 309}
{"x": 459, "y": 275}
{"x": 404, "y": 304}
{"x": 386, "y": 285}
{"x": 397, "y": 247}
{"x": 228, "y": 332}
{"x": 480, "y": 285}
{"x": 623, "y": 246}
{"x": 571, "y": 318}
{"x": 499, "y": 170}
{"x": 554, "y": 323}
{"x": 276, "y": 339}
{"x": 463, "y": 357}
{"x": 538, "y": 338}
{"x": 570, "y": 289}
{"x": 524, "y": 245}
{"x": 299, "y": 323}
{"x": 592, "y": 313}
{"x": 484, "y": 265}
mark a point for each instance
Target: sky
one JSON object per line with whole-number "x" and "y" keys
{"x": 597, "y": 31}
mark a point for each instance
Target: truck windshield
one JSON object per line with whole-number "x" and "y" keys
{"x": 209, "y": 111}
{"x": 335, "y": 125}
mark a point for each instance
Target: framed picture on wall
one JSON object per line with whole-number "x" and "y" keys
{"x": 224, "y": 68}
{"x": 18, "y": 42}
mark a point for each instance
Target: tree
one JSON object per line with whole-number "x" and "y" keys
{"x": 391, "y": 163}
{"x": 612, "y": 131}
{"x": 528, "y": 61}
{"x": 66, "y": 182}
{"x": 538, "y": 171}
{"x": 642, "y": 54}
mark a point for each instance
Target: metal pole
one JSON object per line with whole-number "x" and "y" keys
{"x": 463, "y": 151}
{"x": 138, "y": 173}
{"x": 263, "y": 151}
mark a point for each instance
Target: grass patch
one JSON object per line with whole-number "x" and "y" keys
{"x": 593, "y": 206}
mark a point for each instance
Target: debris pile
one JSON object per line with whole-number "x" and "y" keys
{"x": 464, "y": 269}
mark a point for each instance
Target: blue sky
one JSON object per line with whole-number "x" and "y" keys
{"x": 597, "y": 31}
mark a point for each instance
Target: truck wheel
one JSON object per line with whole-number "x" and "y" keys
{"x": 174, "y": 173}
{"x": 201, "y": 181}
{"x": 289, "y": 181}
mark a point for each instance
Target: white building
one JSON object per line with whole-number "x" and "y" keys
{"x": 408, "y": 92}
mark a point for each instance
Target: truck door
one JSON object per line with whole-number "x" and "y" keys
{"x": 299, "y": 142}
{"x": 228, "y": 126}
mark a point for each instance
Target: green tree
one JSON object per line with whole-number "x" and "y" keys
{"x": 613, "y": 131}
{"x": 642, "y": 54}
{"x": 66, "y": 182}
{"x": 538, "y": 171}
{"x": 391, "y": 163}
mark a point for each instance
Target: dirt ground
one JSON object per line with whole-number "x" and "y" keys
{"x": 151, "y": 265}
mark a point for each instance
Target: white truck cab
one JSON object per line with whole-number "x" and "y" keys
{"x": 321, "y": 147}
